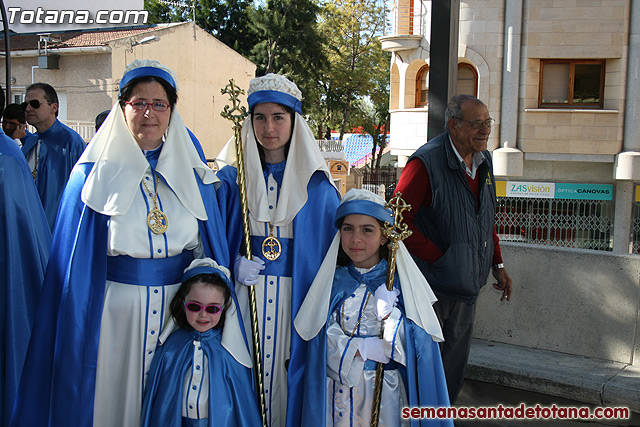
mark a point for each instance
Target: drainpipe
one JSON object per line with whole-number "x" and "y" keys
{"x": 627, "y": 165}
{"x": 508, "y": 160}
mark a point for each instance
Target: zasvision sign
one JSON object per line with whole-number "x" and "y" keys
{"x": 554, "y": 190}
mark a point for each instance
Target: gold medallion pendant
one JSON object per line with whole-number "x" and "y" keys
{"x": 271, "y": 247}
{"x": 157, "y": 221}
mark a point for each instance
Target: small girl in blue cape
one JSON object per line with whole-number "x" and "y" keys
{"x": 342, "y": 323}
{"x": 194, "y": 380}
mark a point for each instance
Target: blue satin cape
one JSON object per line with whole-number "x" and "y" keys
{"x": 58, "y": 384}
{"x": 60, "y": 149}
{"x": 423, "y": 376}
{"x": 313, "y": 232}
{"x": 25, "y": 240}
{"x": 232, "y": 401}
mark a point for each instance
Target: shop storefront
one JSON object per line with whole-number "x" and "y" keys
{"x": 557, "y": 214}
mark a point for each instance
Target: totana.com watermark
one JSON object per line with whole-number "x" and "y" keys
{"x": 17, "y": 15}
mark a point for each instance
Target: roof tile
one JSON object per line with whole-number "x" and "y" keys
{"x": 74, "y": 38}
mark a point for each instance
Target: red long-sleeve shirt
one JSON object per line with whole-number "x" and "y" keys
{"x": 415, "y": 187}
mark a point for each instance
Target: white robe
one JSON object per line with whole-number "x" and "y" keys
{"x": 273, "y": 302}
{"x": 349, "y": 385}
{"x": 134, "y": 317}
{"x": 273, "y": 293}
{"x": 195, "y": 388}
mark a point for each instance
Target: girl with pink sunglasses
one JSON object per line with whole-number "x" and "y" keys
{"x": 193, "y": 379}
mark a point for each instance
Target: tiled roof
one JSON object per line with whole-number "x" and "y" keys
{"x": 74, "y": 38}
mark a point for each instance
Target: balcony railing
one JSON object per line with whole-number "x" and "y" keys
{"x": 408, "y": 20}
{"x": 330, "y": 145}
{"x": 86, "y": 129}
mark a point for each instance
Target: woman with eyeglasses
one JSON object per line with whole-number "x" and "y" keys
{"x": 139, "y": 207}
{"x": 194, "y": 380}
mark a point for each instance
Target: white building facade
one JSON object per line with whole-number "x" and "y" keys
{"x": 560, "y": 79}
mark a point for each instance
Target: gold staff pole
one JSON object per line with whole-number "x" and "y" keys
{"x": 394, "y": 233}
{"x": 237, "y": 114}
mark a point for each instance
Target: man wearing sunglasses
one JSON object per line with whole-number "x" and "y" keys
{"x": 449, "y": 183}
{"x": 53, "y": 150}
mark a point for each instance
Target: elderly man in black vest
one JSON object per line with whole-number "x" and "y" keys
{"x": 450, "y": 184}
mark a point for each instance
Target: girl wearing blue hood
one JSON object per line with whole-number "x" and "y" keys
{"x": 343, "y": 322}
{"x": 194, "y": 381}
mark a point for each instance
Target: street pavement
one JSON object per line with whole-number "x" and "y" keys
{"x": 479, "y": 394}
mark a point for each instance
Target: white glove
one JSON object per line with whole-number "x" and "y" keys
{"x": 373, "y": 349}
{"x": 385, "y": 301}
{"x": 246, "y": 271}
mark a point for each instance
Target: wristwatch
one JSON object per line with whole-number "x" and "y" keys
{"x": 498, "y": 266}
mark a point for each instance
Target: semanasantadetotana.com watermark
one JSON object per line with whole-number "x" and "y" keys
{"x": 42, "y": 16}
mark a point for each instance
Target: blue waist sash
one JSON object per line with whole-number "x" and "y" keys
{"x": 283, "y": 266}
{"x": 148, "y": 271}
{"x": 191, "y": 422}
{"x": 371, "y": 365}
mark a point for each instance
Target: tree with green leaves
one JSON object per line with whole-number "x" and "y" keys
{"x": 374, "y": 119}
{"x": 357, "y": 64}
{"x": 289, "y": 43}
{"x": 329, "y": 48}
{"x": 279, "y": 36}
{"x": 159, "y": 13}
{"x": 227, "y": 20}
{"x": 375, "y": 108}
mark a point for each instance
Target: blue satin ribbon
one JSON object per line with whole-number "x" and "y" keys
{"x": 147, "y": 271}
{"x": 192, "y": 422}
{"x": 371, "y": 365}
{"x": 283, "y": 266}
{"x": 275, "y": 96}
{"x": 143, "y": 72}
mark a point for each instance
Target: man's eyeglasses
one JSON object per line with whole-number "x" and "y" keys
{"x": 142, "y": 105}
{"x": 477, "y": 124}
{"x": 194, "y": 307}
{"x": 35, "y": 104}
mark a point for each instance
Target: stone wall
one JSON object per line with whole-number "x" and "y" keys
{"x": 572, "y": 301}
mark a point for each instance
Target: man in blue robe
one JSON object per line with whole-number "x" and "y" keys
{"x": 53, "y": 150}
{"x": 24, "y": 251}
